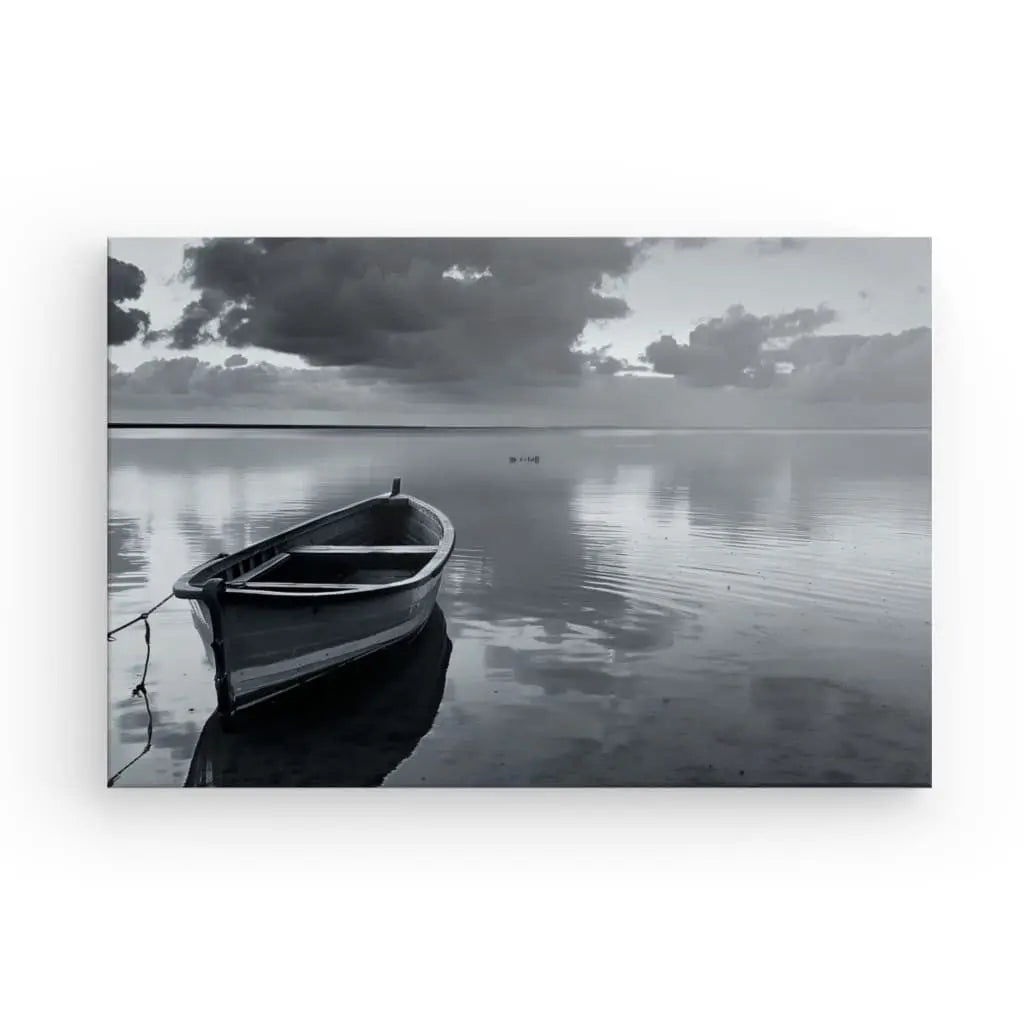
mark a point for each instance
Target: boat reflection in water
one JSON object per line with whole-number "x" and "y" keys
{"x": 351, "y": 727}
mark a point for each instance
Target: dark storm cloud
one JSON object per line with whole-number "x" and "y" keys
{"x": 600, "y": 362}
{"x": 125, "y": 324}
{"x": 666, "y": 355}
{"x": 786, "y": 325}
{"x": 729, "y": 349}
{"x": 774, "y": 246}
{"x": 187, "y": 375}
{"x": 740, "y": 349}
{"x": 124, "y": 282}
{"x": 867, "y": 368}
{"x": 194, "y": 326}
{"x": 418, "y": 309}
{"x": 236, "y": 360}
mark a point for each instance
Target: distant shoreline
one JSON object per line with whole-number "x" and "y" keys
{"x": 119, "y": 425}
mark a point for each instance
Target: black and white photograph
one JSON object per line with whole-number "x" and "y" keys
{"x": 519, "y": 511}
{"x": 552, "y": 485}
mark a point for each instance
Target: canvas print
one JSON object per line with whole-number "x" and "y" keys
{"x": 519, "y": 512}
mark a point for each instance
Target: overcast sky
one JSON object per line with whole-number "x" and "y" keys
{"x": 743, "y": 331}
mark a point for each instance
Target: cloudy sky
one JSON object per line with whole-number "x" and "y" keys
{"x": 680, "y": 332}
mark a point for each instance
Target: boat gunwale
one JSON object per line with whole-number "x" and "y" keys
{"x": 185, "y": 588}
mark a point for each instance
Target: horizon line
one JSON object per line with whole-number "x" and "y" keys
{"x": 154, "y": 425}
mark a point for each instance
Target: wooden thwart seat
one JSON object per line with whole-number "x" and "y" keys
{"x": 258, "y": 570}
{"x": 337, "y": 567}
{"x": 342, "y": 550}
{"x": 283, "y": 585}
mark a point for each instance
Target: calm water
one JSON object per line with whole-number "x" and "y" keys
{"x": 636, "y": 608}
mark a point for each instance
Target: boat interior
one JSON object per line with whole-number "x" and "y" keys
{"x": 381, "y": 541}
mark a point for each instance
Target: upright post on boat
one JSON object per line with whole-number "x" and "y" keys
{"x": 396, "y": 485}
{"x": 212, "y": 592}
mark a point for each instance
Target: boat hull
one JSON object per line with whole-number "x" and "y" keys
{"x": 269, "y": 647}
{"x": 351, "y": 727}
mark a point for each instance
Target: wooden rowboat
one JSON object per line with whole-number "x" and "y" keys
{"x": 318, "y": 596}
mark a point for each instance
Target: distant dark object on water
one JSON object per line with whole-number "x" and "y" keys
{"x": 524, "y": 458}
{"x": 352, "y": 727}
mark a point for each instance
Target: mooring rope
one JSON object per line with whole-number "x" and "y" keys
{"x": 139, "y": 618}
{"x": 140, "y": 690}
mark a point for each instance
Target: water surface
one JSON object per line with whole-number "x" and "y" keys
{"x": 631, "y": 608}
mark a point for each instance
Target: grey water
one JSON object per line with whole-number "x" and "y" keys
{"x": 623, "y": 607}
